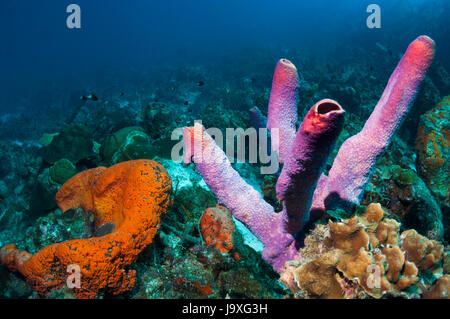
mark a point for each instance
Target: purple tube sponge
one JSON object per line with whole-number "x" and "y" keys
{"x": 246, "y": 204}
{"x": 283, "y": 108}
{"x": 313, "y": 144}
{"x": 355, "y": 162}
{"x": 259, "y": 122}
{"x": 302, "y": 187}
{"x": 225, "y": 182}
{"x": 257, "y": 119}
{"x": 296, "y": 185}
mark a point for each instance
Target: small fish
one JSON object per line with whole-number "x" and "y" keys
{"x": 186, "y": 103}
{"x": 122, "y": 94}
{"x": 90, "y": 97}
{"x": 200, "y": 83}
{"x": 104, "y": 229}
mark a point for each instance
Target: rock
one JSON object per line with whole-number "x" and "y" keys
{"x": 62, "y": 170}
{"x": 73, "y": 143}
{"x": 217, "y": 116}
{"x": 239, "y": 283}
{"x": 427, "y": 97}
{"x": 185, "y": 182}
{"x": 126, "y": 144}
{"x": 11, "y": 286}
{"x": 47, "y": 138}
{"x": 57, "y": 227}
{"x": 43, "y": 195}
{"x": 407, "y": 198}
{"x": 158, "y": 120}
{"x": 433, "y": 152}
{"x": 12, "y": 224}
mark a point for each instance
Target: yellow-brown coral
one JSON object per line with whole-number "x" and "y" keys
{"x": 423, "y": 252}
{"x": 365, "y": 255}
{"x": 132, "y": 195}
{"x": 320, "y": 277}
{"x": 440, "y": 289}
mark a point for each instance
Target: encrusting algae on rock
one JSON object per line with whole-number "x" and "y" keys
{"x": 217, "y": 228}
{"x": 132, "y": 195}
{"x": 433, "y": 150}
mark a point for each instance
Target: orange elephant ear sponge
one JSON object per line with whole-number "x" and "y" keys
{"x": 132, "y": 195}
{"x": 76, "y": 192}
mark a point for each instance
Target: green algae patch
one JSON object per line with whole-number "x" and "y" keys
{"x": 403, "y": 176}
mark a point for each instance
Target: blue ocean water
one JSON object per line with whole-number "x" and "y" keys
{"x": 37, "y": 46}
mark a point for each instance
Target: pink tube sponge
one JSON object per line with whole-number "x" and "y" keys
{"x": 302, "y": 187}
{"x": 308, "y": 156}
{"x": 283, "y": 108}
{"x": 355, "y": 162}
{"x": 246, "y": 204}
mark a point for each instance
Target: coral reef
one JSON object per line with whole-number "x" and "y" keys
{"x": 73, "y": 143}
{"x": 367, "y": 256}
{"x": 161, "y": 115}
{"x": 43, "y": 194}
{"x": 439, "y": 289}
{"x": 427, "y": 97}
{"x": 62, "y": 170}
{"x": 130, "y": 196}
{"x": 407, "y": 198}
{"x": 217, "y": 116}
{"x": 203, "y": 272}
{"x": 351, "y": 170}
{"x": 47, "y": 138}
{"x": 433, "y": 150}
{"x": 57, "y": 227}
{"x": 126, "y": 144}
{"x": 201, "y": 250}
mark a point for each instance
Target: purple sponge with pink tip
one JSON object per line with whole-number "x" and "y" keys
{"x": 302, "y": 186}
{"x": 282, "y": 115}
{"x": 355, "y": 162}
{"x": 308, "y": 156}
